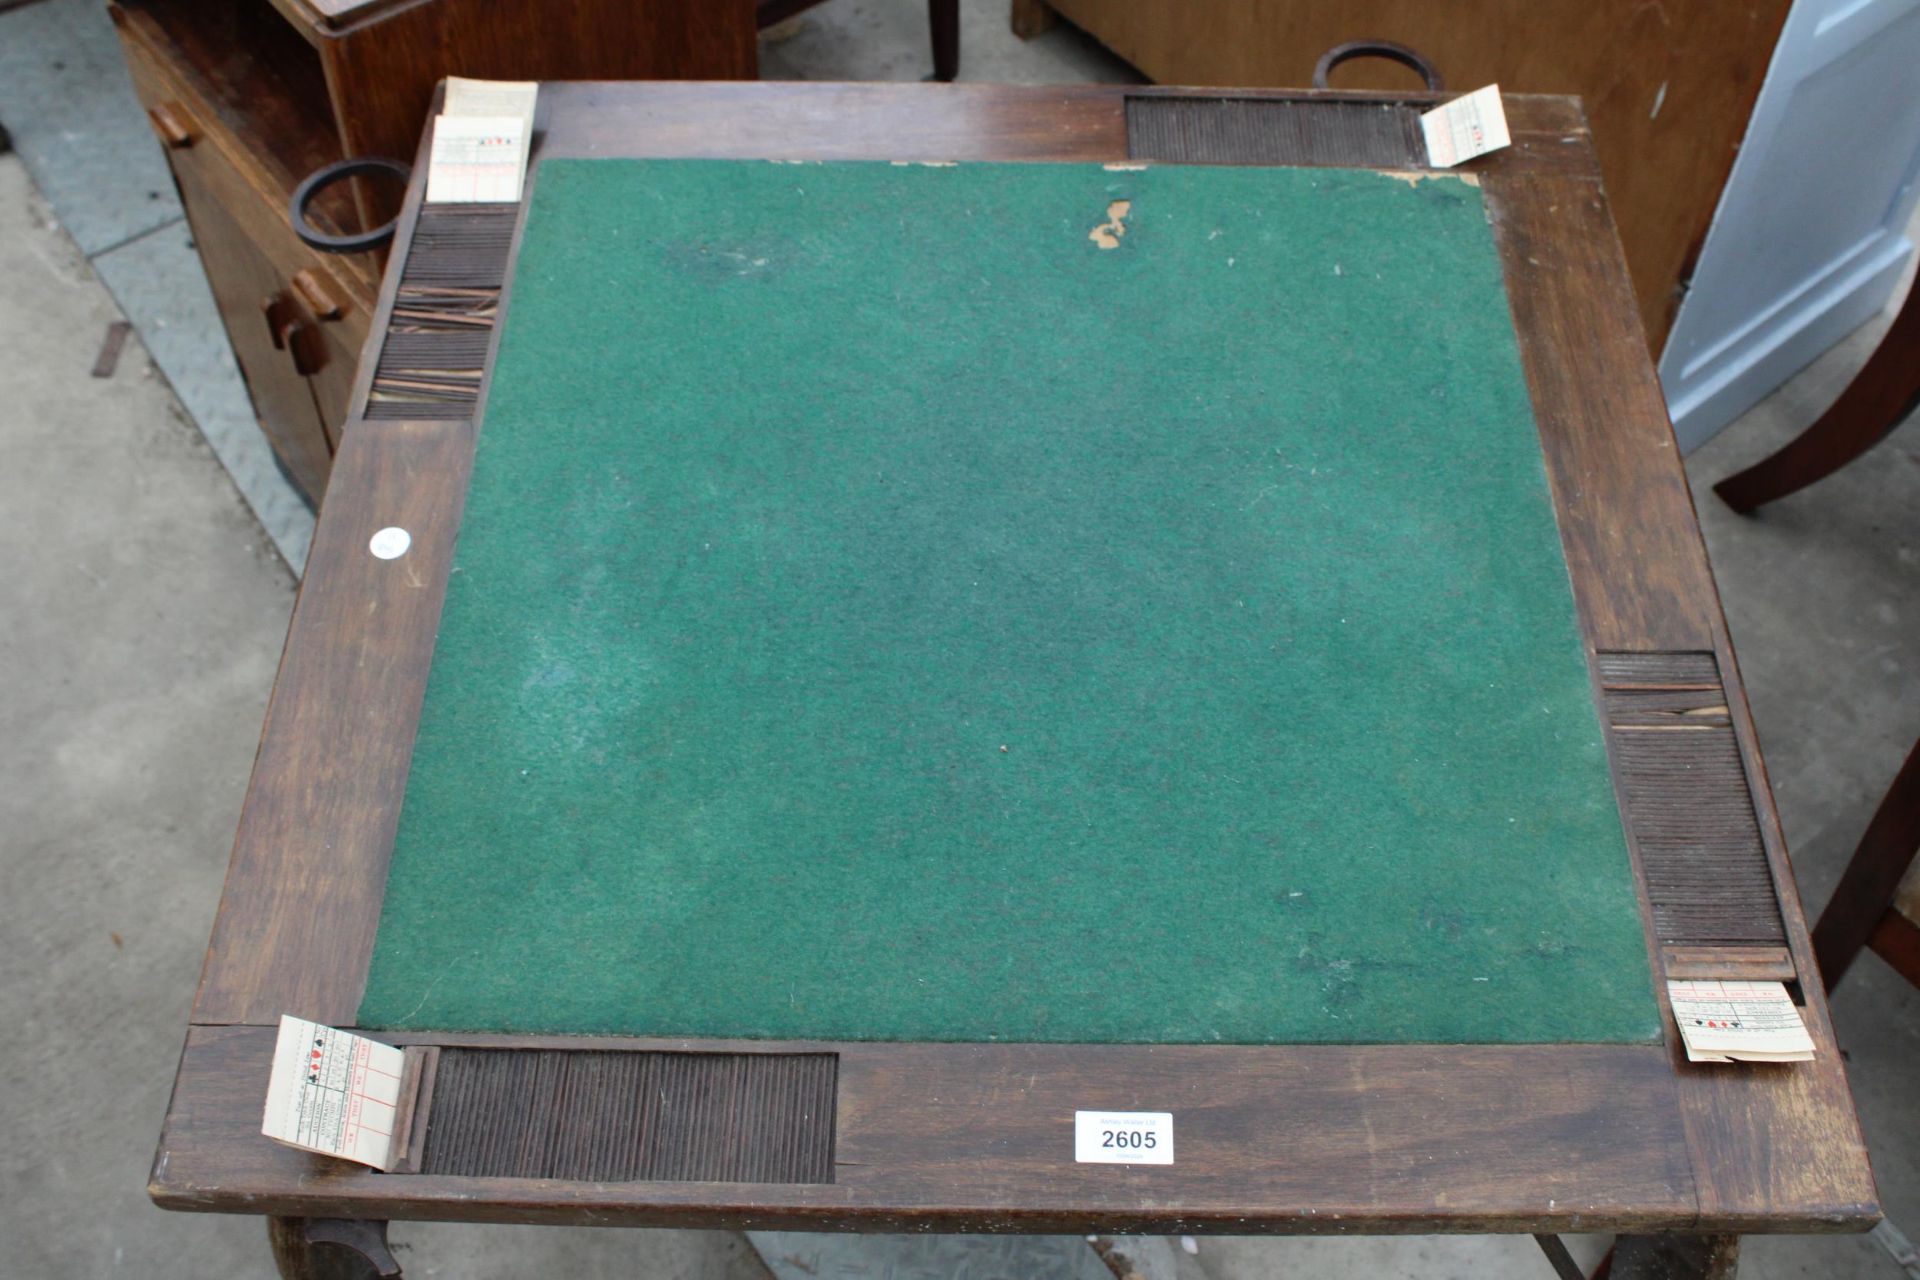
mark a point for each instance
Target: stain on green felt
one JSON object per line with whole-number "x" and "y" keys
{"x": 881, "y": 613}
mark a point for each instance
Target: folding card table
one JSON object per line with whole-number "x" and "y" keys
{"x": 855, "y": 625}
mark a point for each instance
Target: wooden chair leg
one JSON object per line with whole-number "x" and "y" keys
{"x": 331, "y": 1249}
{"x": 1872, "y": 876}
{"x": 1883, "y": 393}
{"x": 1897, "y": 941}
{"x": 1030, "y": 18}
{"x": 943, "y": 17}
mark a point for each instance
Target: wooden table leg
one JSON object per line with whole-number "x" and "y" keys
{"x": 1672, "y": 1257}
{"x": 1881, "y": 395}
{"x": 943, "y": 17}
{"x": 331, "y": 1249}
{"x": 1872, "y": 878}
{"x": 1559, "y": 1258}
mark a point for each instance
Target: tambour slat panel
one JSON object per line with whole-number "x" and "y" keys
{"x": 631, "y": 1117}
{"x": 1631, "y": 670}
{"x": 1374, "y": 135}
{"x": 435, "y": 350}
{"x": 1687, "y": 800}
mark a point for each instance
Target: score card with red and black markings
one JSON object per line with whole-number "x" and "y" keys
{"x": 334, "y": 1093}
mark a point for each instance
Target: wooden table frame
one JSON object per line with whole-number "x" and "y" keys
{"x": 1295, "y": 1139}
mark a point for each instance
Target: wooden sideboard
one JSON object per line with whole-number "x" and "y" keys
{"x": 248, "y": 97}
{"x": 1668, "y": 88}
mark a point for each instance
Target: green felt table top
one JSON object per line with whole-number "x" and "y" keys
{"x": 885, "y": 611}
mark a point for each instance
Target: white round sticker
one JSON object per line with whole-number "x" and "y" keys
{"x": 390, "y": 543}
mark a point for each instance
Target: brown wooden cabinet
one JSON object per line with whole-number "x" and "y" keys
{"x": 1668, "y": 88}
{"x": 248, "y": 97}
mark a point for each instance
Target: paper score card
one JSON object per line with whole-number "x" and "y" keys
{"x": 481, "y": 140}
{"x": 1739, "y": 1022}
{"x": 333, "y": 1092}
{"x": 1471, "y": 125}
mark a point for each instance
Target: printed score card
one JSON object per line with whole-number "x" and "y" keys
{"x": 335, "y": 1093}
{"x": 1739, "y": 1022}
{"x": 1471, "y": 125}
{"x": 481, "y": 139}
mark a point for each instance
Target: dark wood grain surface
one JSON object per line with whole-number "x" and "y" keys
{"x": 968, "y": 1137}
{"x": 393, "y": 65}
{"x": 297, "y": 916}
{"x": 1321, "y": 1138}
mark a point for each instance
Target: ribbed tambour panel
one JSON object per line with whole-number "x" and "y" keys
{"x": 435, "y": 351}
{"x": 632, "y": 1117}
{"x": 1361, "y": 135}
{"x": 1646, "y": 670}
{"x": 1687, "y": 800}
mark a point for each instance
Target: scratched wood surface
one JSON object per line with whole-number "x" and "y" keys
{"x": 1328, "y": 1138}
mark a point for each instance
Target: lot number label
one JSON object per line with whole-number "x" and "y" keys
{"x": 1123, "y": 1137}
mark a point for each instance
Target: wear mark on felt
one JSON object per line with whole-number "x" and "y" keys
{"x": 1107, "y": 234}
{"x": 1414, "y": 177}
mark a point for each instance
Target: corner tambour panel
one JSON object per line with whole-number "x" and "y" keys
{"x": 1370, "y": 135}
{"x": 443, "y": 314}
{"x": 595, "y": 1116}
{"x": 1687, "y": 800}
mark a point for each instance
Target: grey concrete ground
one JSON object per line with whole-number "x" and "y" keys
{"x": 66, "y": 99}
{"x": 141, "y": 615}
{"x": 1822, "y": 593}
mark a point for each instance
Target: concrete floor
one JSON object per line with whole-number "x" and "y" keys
{"x": 141, "y": 615}
{"x": 66, "y": 100}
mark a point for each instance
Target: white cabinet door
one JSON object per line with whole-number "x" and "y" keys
{"x": 1809, "y": 239}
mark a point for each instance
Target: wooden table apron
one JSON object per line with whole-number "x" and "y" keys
{"x": 1376, "y": 1138}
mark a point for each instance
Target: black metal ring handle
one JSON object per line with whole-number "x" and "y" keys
{"x": 328, "y": 174}
{"x": 1376, "y": 49}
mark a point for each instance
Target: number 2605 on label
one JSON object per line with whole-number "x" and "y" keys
{"x": 1123, "y": 1137}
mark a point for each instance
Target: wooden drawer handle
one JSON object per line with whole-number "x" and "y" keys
{"x": 301, "y": 338}
{"x": 174, "y": 126}
{"x": 273, "y": 310}
{"x": 319, "y": 292}
{"x": 294, "y": 334}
